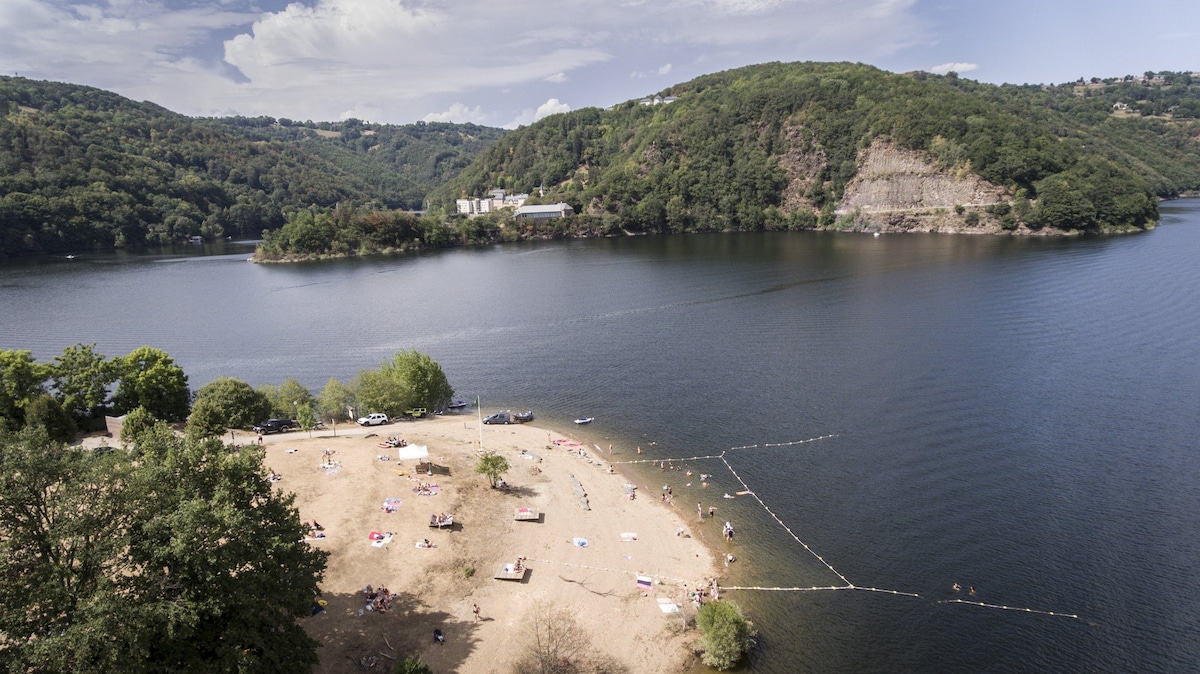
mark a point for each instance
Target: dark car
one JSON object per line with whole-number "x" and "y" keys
{"x": 498, "y": 418}
{"x": 275, "y": 426}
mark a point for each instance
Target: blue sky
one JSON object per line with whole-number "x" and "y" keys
{"x": 510, "y": 62}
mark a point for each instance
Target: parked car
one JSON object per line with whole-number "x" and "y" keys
{"x": 276, "y": 426}
{"x": 373, "y": 419}
{"x": 498, "y": 418}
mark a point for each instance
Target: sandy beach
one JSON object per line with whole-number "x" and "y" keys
{"x": 343, "y": 482}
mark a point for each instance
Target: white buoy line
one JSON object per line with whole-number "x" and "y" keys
{"x": 848, "y": 585}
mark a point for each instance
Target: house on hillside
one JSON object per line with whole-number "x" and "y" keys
{"x": 545, "y": 212}
{"x": 1120, "y": 107}
{"x": 494, "y": 201}
{"x": 658, "y": 100}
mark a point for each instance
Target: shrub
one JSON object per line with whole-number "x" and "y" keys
{"x": 726, "y": 635}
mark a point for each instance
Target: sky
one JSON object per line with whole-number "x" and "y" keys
{"x": 507, "y": 63}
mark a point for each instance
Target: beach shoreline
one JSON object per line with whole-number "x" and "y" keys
{"x": 585, "y": 551}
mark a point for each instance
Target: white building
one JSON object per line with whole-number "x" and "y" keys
{"x": 545, "y": 212}
{"x": 495, "y": 200}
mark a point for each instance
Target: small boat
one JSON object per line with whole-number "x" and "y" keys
{"x": 585, "y": 420}
{"x": 456, "y": 404}
{"x": 523, "y": 417}
{"x": 70, "y": 257}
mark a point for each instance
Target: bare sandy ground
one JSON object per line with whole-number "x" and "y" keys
{"x": 437, "y": 587}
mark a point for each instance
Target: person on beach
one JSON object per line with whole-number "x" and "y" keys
{"x": 700, "y": 512}
{"x": 475, "y": 611}
{"x": 712, "y": 510}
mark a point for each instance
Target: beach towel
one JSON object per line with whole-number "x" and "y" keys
{"x": 644, "y": 583}
{"x": 580, "y": 542}
{"x": 628, "y": 537}
{"x": 667, "y": 606}
{"x": 387, "y": 538}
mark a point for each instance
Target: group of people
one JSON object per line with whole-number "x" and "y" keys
{"x": 441, "y": 519}
{"x": 727, "y": 531}
{"x": 394, "y": 441}
{"x": 327, "y": 460}
{"x": 378, "y": 600}
{"x": 424, "y": 489}
{"x": 315, "y": 530}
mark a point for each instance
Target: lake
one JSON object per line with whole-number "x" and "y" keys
{"x": 1014, "y": 415}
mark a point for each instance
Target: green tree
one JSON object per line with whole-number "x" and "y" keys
{"x": 81, "y": 379}
{"x": 1062, "y": 205}
{"x": 136, "y": 422}
{"x": 205, "y": 421}
{"x": 410, "y": 379}
{"x": 335, "y": 399}
{"x": 21, "y": 379}
{"x": 180, "y": 560}
{"x": 150, "y": 378}
{"x": 287, "y": 398}
{"x": 492, "y": 465}
{"x": 46, "y": 412}
{"x": 238, "y": 404}
{"x": 306, "y": 417}
{"x": 725, "y": 634}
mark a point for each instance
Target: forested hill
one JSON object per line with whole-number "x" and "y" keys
{"x": 82, "y": 167}
{"x": 836, "y": 145}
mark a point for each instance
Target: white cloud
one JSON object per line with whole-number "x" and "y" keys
{"x": 953, "y": 67}
{"x": 395, "y": 60}
{"x": 550, "y": 107}
{"x": 459, "y": 114}
{"x": 642, "y": 74}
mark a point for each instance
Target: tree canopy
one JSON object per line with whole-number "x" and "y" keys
{"x": 725, "y": 634}
{"x": 81, "y": 167}
{"x": 236, "y": 403}
{"x": 410, "y": 379}
{"x": 183, "y": 559}
{"x": 150, "y": 378}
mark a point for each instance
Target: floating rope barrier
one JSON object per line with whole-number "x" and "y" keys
{"x": 788, "y": 589}
{"x": 789, "y": 444}
{"x": 690, "y": 458}
{"x": 886, "y": 591}
{"x": 780, "y": 521}
{"x": 827, "y": 588}
{"x": 1001, "y": 607}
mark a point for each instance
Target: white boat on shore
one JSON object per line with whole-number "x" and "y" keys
{"x": 585, "y": 420}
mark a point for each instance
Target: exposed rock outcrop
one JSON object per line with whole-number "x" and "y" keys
{"x": 890, "y": 178}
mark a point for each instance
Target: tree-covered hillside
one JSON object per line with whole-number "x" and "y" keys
{"x": 81, "y": 167}
{"x": 727, "y": 151}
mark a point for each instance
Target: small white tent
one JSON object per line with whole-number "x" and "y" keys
{"x": 412, "y": 452}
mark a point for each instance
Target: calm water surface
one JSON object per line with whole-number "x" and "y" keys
{"x": 1018, "y": 416}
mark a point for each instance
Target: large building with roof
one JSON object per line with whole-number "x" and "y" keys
{"x": 544, "y": 212}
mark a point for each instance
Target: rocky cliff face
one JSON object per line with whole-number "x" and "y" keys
{"x": 898, "y": 190}
{"x": 903, "y": 190}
